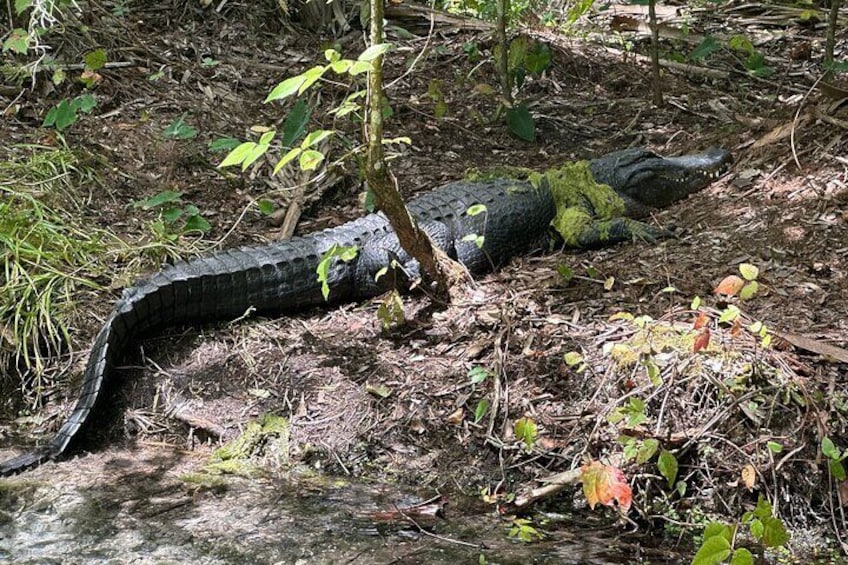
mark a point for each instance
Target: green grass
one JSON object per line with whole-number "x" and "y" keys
{"x": 46, "y": 258}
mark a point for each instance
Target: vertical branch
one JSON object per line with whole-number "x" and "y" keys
{"x": 383, "y": 183}
{"x": 655, "y": 53}
{"x": 831, "y": 30}
{"x": 503, "y": 62}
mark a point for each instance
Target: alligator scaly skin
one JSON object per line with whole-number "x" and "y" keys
{"x": 281, "y": 277}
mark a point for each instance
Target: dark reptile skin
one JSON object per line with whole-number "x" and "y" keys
{"x": 281, "y": 277}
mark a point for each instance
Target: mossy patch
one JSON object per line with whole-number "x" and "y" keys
{"x": 264, "y": 443}
{"x": 580, "y": 200}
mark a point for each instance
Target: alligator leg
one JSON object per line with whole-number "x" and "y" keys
{"x": 600, "y": 233}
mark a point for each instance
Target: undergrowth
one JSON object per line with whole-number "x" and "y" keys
{"x": 46, "y": 258}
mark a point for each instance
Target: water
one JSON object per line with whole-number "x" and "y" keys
{"x": 124, "y": 508}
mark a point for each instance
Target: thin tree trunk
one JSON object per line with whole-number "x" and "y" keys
{"x": 831, "y": 30}
{"x": 503, "y": 62}
{"x": 655, "y": 54}
{"x": 435, "y": 264}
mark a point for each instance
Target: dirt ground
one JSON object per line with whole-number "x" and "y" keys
{"x": 399, "y": 405}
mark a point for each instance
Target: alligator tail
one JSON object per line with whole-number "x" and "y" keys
{"x": 226, "y": 285}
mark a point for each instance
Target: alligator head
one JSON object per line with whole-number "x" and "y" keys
{"x": 647, "y": 181}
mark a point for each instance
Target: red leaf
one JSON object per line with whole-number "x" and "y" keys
{"x": 607, "y": 485}
{"x": 701, "y": 321}
{"x": 702, "y": 340}
{"x": 730, "y": 285}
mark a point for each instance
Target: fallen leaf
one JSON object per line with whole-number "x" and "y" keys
{"x": 702, "y": 340}
{"x": 749, "y": 476}
{"x": 456, "y": 417}
{"x": 701, "y": 321}
{"x": 606, "y": 485}
{"x": 730, "y": 285}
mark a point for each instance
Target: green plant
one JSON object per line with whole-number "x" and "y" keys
{"x": 835, "y": 457}
{"x": 720, "y": 542}
{"x": 64, "y": 114}
{"x": 175, "y": 217}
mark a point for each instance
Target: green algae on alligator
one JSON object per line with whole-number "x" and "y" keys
{"x": 598, "y": 203}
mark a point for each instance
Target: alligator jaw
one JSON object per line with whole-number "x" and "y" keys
{"x": 648, "y": 181}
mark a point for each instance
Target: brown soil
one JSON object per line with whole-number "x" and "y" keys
{"x": 319, "y": 368}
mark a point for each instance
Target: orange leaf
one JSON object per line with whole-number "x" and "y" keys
{"x": 736, "y": 328}
{"x": 702, "y": 340}
{"x": 749, "y": 476}
{"x": 605, "y": 484}
{"x": 730, "y": 285}
{"x": 701, "y": 321}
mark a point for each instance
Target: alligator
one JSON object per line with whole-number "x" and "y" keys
{"x": 481, "y": 223}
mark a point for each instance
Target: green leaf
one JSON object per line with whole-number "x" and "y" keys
{"x": 258, "y": 150}
{"x": 334, "y": 253}
{"x": 171, "y": 215}
{"x": 266, "y": 207}
{"x": 478, "y": 375}
{"x": 538, "y": 59}
{"x": 749, "y": 272}
{"x": 836, "y": 469}
{"x": 774, "y": 532}
{"x": 573, "y": 358}
{"x": 774, "y": 447}
{"x": 267, "y": 137}
{"x": 223, "y": 144}
{"x": 476, "y": 209}
{"x": 696, "y": 303}
{"x": 237, "y": 155}
{"x": 729, "y": 314}
{"x": 164, "y": 197}
{"x": 713, "y": 551}
{"x": 287, "y": 158}
{"x": 332, "y": 55}
{"x": 667, "y": 464}
{"x": 480, "y": 410}
{"x": 196, "y": 222}
{"x": 704, "y": 49}
{"x": 285, "y": 88}
{"x": 749, "y": 290}
{"x": 316, "y": 137}
{"x": 21, "y": 5}
{"x": 310, "y": 77}
{"x": 84, "y": 103}
{"x": 565, "y": 272}
{"x": 829, "y": 449}
{"x": 359, "y": 67}
{"x": 526, "y": 430}
{"x": 61, "y": 116}
{"x": 647, "y": 451}
{"x": 295, "y": 123}
{"x": 374, "y": 51}
{"x": 310, "y": 159}
{"x": 718, "y": 529}
{"x": 180, "y": 130}
{"x": 95, "y": 60}
{"x": 341, "y": 67}
{"x": 521, "y": 123}
{"x": 17, "y": 42}
{"x": 742, "y": 556}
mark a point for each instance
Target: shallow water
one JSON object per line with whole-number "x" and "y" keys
{"x": 121, "y": 511}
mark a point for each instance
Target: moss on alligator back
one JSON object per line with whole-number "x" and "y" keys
{"x": 582, "y": 204}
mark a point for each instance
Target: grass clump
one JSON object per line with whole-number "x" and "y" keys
{"x": 46, "y": 257}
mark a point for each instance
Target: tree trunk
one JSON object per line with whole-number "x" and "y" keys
{"x": 503, "y": 61}
{"x": 831, "y": 31}
{"x": 655, "y": 53}
{"x": 435, "y": 264}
